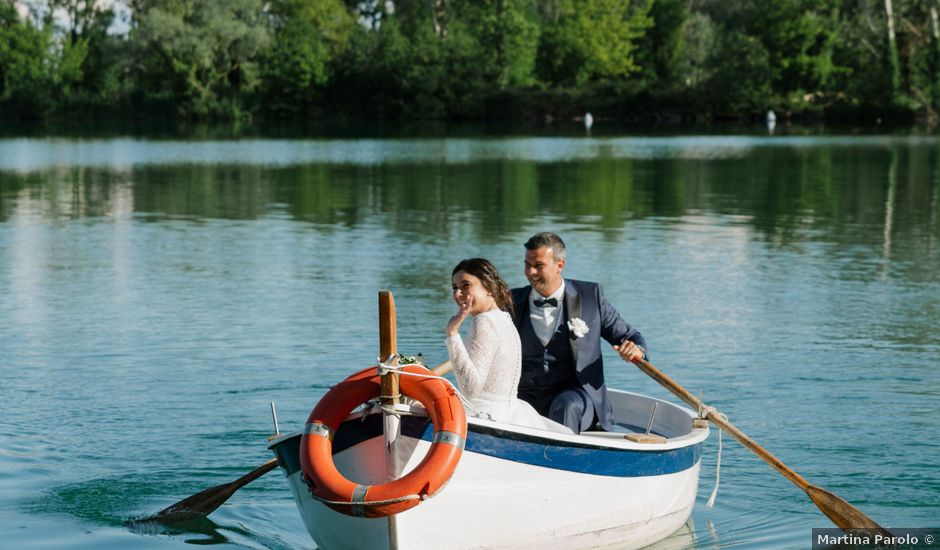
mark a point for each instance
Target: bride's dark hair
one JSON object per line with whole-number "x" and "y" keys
{"x": 484, "y": 270}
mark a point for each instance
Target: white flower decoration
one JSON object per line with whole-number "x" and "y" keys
{"x": 578, "y": 327}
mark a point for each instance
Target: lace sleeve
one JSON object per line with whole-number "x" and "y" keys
{"x": 472, "y": 363}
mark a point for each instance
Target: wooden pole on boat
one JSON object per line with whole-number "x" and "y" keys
{"x": 390, "y": 397}
{"x": 388, "y": 346}
{"x": 842, "y": 514}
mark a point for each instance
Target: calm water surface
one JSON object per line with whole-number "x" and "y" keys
{"x": 157, "y": 295}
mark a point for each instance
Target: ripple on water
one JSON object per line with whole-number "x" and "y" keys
{"x": 105, "y": 501}
{"x": 733, "y": 526}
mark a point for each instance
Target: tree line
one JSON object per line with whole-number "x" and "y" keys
{"x": 469, "y": 59}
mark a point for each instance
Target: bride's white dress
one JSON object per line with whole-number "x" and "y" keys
{"x": 488, "y": 368}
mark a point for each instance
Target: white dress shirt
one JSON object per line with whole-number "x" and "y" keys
{"x": 545, "y": 319}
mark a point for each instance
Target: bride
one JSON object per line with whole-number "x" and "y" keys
{"x": 489, "y": 364}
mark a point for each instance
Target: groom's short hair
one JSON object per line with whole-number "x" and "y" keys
{"x": 549, "y": 240}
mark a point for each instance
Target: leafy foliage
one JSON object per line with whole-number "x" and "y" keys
{"x": 591, "y": 39}
{"x": 209, "y": 59}
{"x": 36, "y": 72}
{"x": 207, "y": 48}
{"x": 309, "y": 36}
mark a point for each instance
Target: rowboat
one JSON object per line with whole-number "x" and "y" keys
{"x": 372, "y": 471}
{"x": 514, "y": 486}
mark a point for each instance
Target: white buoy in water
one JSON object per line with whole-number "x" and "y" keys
{"x": 588, "y": 120}
{"x": 771, "y": 121}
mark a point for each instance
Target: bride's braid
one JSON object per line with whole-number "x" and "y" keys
{"x": 483, "y": 269}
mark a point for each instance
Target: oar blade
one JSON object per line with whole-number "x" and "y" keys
{"x": 199, "y": 505}
{"x": 843, "y": 514}
{"x": 205, "y": 502}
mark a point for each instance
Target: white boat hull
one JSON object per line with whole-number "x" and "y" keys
{"x": 523, "y": 488}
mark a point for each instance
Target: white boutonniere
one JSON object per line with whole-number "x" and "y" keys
{"x": 578, "y": 328}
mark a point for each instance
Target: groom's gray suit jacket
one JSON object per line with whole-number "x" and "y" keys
{"x": 547, "y": 370}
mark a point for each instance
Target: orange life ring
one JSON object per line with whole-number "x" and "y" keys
{"x": 329, "y": 486}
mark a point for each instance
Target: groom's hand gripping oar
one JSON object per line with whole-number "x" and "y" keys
{"x": 843, "y": 514}
{"x": 205, "y": 502}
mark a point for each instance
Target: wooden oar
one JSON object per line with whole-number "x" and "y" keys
{"x": 206, "y": 502}
{"x": 843, "y": 514}
{"x": 443, "y": 368}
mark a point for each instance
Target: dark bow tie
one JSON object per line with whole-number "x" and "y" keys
{"x": 547, "y": 302}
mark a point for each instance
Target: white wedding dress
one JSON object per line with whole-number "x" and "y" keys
{"x": 488, "y": 368}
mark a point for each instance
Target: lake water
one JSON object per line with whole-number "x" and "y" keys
{"x": 158, "y": 295}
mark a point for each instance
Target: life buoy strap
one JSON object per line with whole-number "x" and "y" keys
{"x": 449, "y": 438}
{"x": 318, "y": 428}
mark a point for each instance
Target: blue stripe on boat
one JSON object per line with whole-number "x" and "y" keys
{"x": 574, "y": 457}
{"x": 517, "y": 447}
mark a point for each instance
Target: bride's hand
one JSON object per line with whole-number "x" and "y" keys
{"x": 454, "y": 324}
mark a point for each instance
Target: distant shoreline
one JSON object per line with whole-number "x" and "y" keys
{"x": 533, "y": 119}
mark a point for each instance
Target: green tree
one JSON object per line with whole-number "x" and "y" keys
{"x": 309, "y": 35}
{"x": 508, "y": 34}
{"x": 793, "y": 44}
{"x": 436, "y": 59}
{"x": 376, "y": 76}
{"x": 37, "y": 72}
{"x": 660, "y": 51}
{"x": 590, "y": 39}
{"x": 741, "y": 75}
{"x": 80, "y": 18}
{"x": 894, "y": 63}
{"x": 878, "y": 76}
{"x": 202, "y": 54}
{"x": 918, "y": 51}
{"x": 485, "y": 46}
{"x": 699, "y": 39}
{"x": 933, "y": 63}
{"x": 83, "y": 26}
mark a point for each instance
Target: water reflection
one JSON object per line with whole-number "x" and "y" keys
{"x": 874, "y": 196}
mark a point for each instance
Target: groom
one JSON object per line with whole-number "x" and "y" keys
{"x": 561, "y": 322}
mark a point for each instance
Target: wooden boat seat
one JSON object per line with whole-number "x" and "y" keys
{"x": 631, "y": 436}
